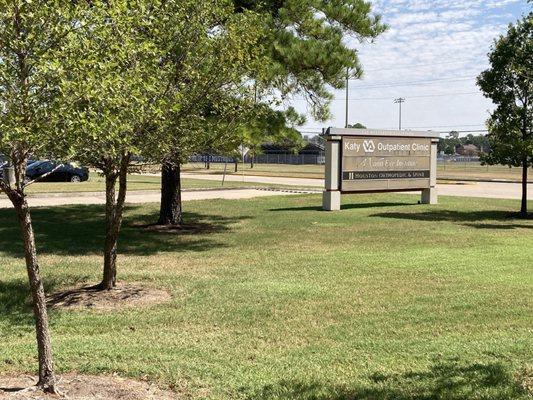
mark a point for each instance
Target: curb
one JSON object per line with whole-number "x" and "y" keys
{"x": 482, "y": 180}
{"x": 140, "y": 192}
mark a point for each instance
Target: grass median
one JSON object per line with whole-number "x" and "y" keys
{"x": 135, "y": 182}
{"x": 448, "y": 170}
{"x": 276, "y": 299}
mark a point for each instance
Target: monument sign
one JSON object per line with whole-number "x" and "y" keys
{"x": 367, "y": 160}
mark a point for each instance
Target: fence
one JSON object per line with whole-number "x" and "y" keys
{"x": 293, "y": 159}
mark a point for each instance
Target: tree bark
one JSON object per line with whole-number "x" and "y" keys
{"x": 110, "y": 244}
{"x": 523, "y": 207}
{"x": 251, "y": 162}
{"x": 525, "y": 119}
{"x": 47, "y": 381}
{"x": 114, "y": 215}
{"x": 170, "y": 211}
{"x": 236, "y": 165}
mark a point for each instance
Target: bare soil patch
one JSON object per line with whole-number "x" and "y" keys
{"x": 83, "y": 387}
{"x": 123, "y": 296}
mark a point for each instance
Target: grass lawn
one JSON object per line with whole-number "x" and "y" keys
{"x": 278, "y": 300}
{"x": 96, "y": 183}
{"x": 451, "y": 170}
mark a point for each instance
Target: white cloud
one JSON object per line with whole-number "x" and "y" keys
{"x": 428, "y": 40}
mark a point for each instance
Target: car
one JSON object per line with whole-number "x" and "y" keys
{"x": 3, "y": 163}
{"x": 57, "y": 172}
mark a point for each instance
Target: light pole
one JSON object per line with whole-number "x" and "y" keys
{"x": 347, "y": 81}
{"x": 399, "y": 101}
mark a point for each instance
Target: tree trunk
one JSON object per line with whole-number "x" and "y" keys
{"x": 47, "y": 379}
{"x": 114, "y": 214}
{"x": 251, "y": 162}
{"x": 523, "y": 207}
{"x": 170, "y": 211}
{"x": 110, "y": 245}
{"x": 236, "y": 165}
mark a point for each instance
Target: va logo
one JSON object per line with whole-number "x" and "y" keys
{"x": 368, "y": 146}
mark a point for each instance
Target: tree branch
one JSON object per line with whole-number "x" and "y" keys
{"x": 42, "y": 176}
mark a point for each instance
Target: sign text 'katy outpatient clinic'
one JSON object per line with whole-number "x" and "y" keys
{"x": 381, "y": 163}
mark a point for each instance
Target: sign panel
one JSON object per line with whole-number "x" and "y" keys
{"x": 385, "y": 163}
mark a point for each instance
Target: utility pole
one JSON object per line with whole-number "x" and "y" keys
{"x": 347, "y": 81}
{"x": 399, "y": 101}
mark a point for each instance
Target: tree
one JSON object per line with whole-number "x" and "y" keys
{"x": 272, "y": 126}
{"x": 32, "y": 39}
{"x": 453, "y": 135}
{"x": 211, "y": 77}
{"x": 357, "y": 126}
{"x": 115, "y": 97}
{"x": 509, "y": 84}
{"x": 307, "y": 51}
{"x": 304, "y": 52}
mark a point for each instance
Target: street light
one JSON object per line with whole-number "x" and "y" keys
{"x": 347, "y": 92}
{"x": 399, "y": 101}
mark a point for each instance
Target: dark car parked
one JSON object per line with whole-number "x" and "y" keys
{"x": 64, "y": 173}
{"x": 3, "y": 162}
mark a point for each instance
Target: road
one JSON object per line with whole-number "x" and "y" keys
{"x": 495, "y": 190}
{"x": 140, "y": 196}
{"x": 465, "y": 189}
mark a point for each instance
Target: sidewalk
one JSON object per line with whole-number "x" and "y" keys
{"x": 141, "y": 196}
{"x": 494, "y": 190}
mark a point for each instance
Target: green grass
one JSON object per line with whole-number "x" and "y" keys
{"x": 386, "y": 299}
{"x": 450, "y": 170}
{"x": 96, "y": 183}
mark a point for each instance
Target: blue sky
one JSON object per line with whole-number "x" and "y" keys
{"x": 430, "y": 55}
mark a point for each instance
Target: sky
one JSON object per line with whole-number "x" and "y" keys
{"x": 430, "y": 55}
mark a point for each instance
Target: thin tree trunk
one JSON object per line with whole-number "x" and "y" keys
{"x": 251, "y": 162}
{"x": 523, "y": 207}
{"x": 110, "y": 245}
{"x": 114, "y": 215}
{"x": 47, "y": 381}
{"x": 170, "y": 211}
{"x": 236, "y": 165}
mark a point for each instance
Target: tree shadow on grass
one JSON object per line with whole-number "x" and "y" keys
{"x": 448, "y": 379}
{"x": 474, "y": 219}
{"x": 79, "y": 230}
{"x": 16, "y": 303}
{"x": 344, "y": 206}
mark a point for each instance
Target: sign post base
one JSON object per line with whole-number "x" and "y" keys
{"x": 429, "y": 196}
{"x": 331, "y": 200}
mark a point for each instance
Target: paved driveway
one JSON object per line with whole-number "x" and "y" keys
{"x": 495, "y": 190}
{"x": 465, "y": 189}
{"x": 140, "y": 196}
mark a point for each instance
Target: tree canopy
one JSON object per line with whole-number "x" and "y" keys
{"x": 33, "y": 38}
{"x": 159, "y": 79}
{"x": 509, "y": 84}
{"x": 307, "y": 47}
